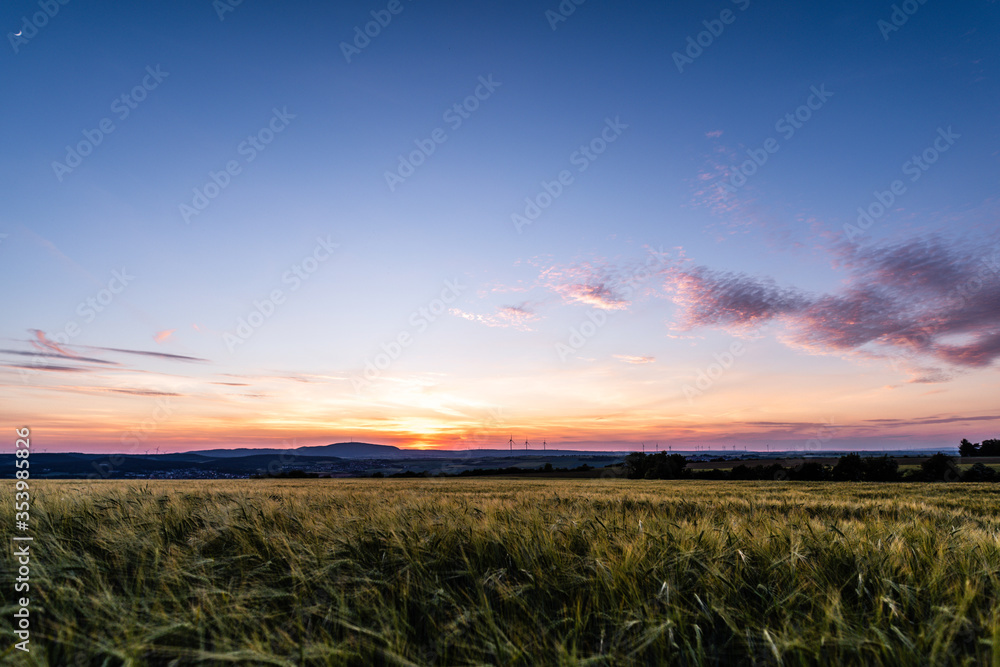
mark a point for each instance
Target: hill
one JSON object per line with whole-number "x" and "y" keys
{"x": 341, "y": 450}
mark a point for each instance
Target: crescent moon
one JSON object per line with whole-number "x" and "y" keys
{"x": 18, "y": 33}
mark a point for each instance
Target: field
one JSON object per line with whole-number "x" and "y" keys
{"x": 474, "y": 571}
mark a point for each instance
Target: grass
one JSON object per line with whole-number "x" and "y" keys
{"x": 511, "y": 572}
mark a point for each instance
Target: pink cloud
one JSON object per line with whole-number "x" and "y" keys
{"x": 919, "y": 299}
{"x": 515, "y": 317}
{"x": 42, "y": 342}
{"x": 597, "y": 286}
{"x": 630, "y": 359}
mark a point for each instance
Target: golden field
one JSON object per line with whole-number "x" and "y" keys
{"x": 508, "y": 572}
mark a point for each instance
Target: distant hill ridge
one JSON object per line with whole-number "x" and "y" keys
{"x": 343, "y": 450}
{"x": 367, "y": 450}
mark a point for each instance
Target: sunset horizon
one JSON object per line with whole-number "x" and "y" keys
{"x": 550, "y": 332}
{"x": 654, "y": 240}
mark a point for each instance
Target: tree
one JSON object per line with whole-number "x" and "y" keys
{"x": 810, "y": 471}
{"x": 990, "y": 447}
{"x": 940, "y": 468}
{"x": 636, "y": 465}
{"x": 774, "y": 471}
{"x": 849, "y": 468}
{"x": 662, "y": 466}
{"x": 880, "y": 469}
{"x": 655, "y": 466}
{"x": 966, "y": 448}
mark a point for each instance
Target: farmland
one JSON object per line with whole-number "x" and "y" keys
{"x": 505, "y": 571}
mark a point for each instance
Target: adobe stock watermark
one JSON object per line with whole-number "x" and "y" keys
{"x": 561, "y": 13}
{"x": 88, "y": 310}
{"x": 708, "y": 376}
{"x": 381, "y": 18}
{"x": 454, "y": 116}
{"x": 696, "y": 44}
{"x": 249, "y": 149}
{"x": 581, "y": 158}
{"x": 915, "y": 167}
{"x": 294, "y": 277}
{"x": 901, "y": 13}
{"x": 419, "y": 321}
{"x": 223, "y": 7}
{"x": 597, "y": 318}
{"x": 30, "y": 27}
{"x": 22, "y": 552}
{"x": 122, "y": 106}
{"x": 787, "y": 126}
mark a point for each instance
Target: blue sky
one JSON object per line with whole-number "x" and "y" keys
{"x": 770, "y": 266}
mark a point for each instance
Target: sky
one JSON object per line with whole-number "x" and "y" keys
{"x": 444, "y": 225}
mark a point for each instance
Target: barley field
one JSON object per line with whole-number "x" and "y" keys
{"x": 508, "y": 572}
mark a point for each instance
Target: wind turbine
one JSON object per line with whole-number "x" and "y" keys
{"x": 511, "y": 442}
{"x": 525, "y": 445}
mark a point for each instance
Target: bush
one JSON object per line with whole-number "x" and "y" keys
{"x": 980, "y": 472}
{"x": 810, "y": 471}
{"x": 655, "y": 466}
{"x": 773, "y": 471}
{"x": 849, "y": 468}
{"x": 940, "y": 468}
{"x": 880, "y": 469}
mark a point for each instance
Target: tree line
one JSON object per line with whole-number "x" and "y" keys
{"x": 985, "y": 448}
{"x": 849, "y": 468}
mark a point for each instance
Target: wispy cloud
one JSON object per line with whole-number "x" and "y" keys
{"x": 49, "y": 368}
{"x": 731, "y": 300}
{"x": 952, "y": 419}
{"x": 597, "y": 285}
{"x": 48, "y": 347}
{"x": 144, "y": 392}
{"x": 79, "y": 358}
{"x": 630, "y": 359}
{"x": 42, "y": 342}
{"x": 55, "y": 355}
{"x": 708, "y": 192}
{"x": 147, "y": 353}
{"x": 515, "y": 317}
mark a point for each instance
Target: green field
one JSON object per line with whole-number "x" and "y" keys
{"x": 473, "y": 571}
